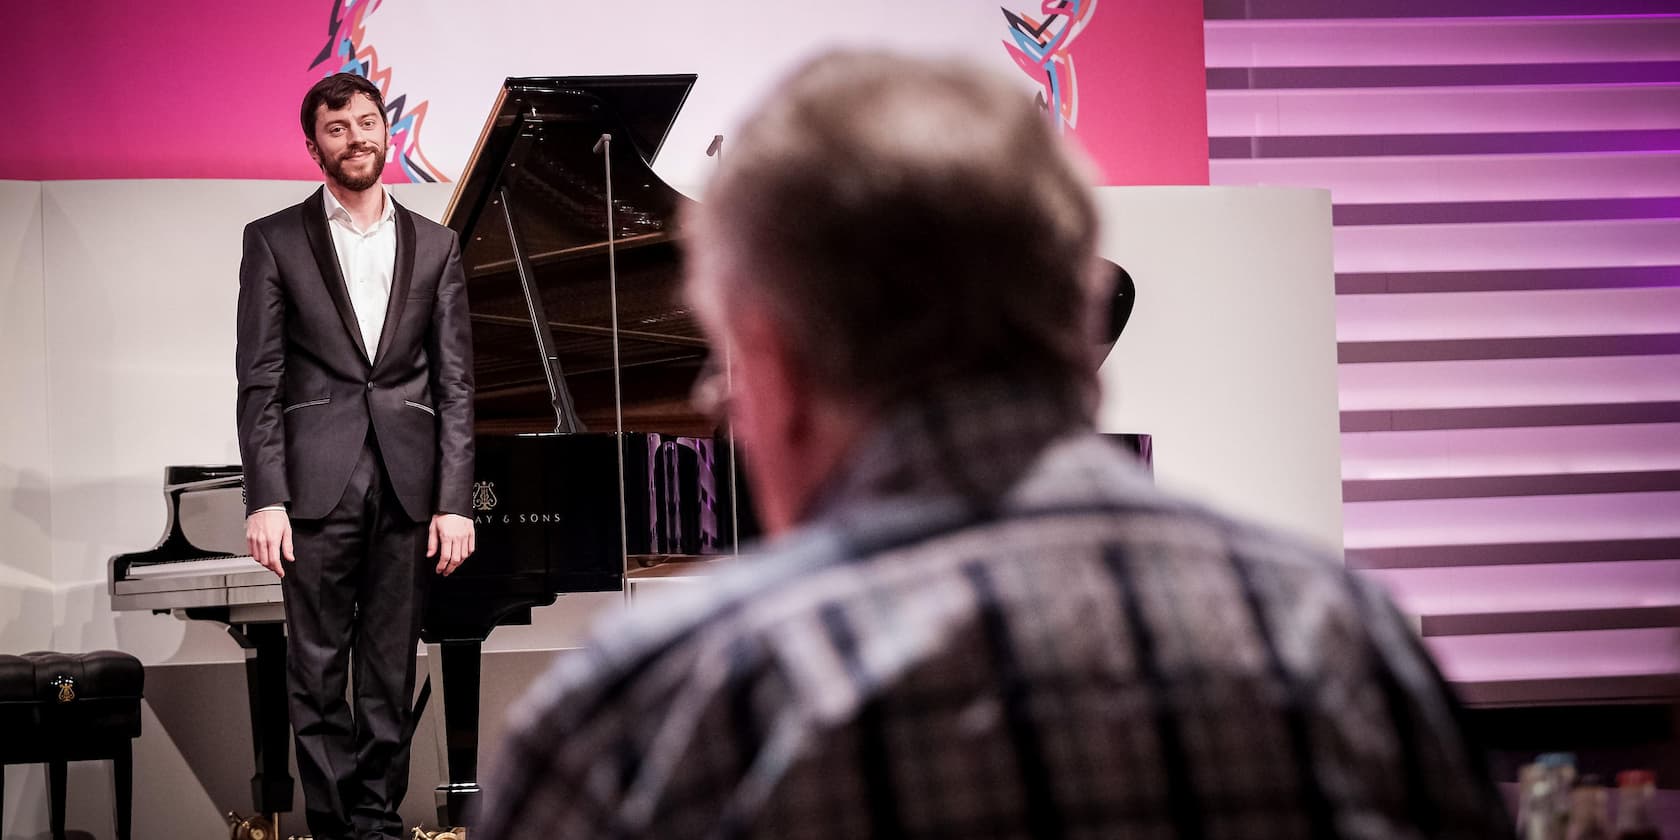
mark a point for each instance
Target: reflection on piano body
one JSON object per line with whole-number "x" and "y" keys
{"x": 578, "y": 333}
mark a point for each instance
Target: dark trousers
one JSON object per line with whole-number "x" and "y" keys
{"x": 354, "y": 598}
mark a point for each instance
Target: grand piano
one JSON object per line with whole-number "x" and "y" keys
{"x": 590, "y": 460}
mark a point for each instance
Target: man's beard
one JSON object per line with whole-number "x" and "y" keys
{"x": 336, "y": 169}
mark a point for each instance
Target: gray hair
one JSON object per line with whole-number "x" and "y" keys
{"x": 910, "y": 222}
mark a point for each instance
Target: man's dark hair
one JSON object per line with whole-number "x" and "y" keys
{"x": 334, "y": 92}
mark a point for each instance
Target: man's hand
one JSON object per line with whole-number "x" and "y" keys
{"x": 451, "y": 540}
{"x": 268, "y": 536}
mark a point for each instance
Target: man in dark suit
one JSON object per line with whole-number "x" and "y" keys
{"x": 356, "y": 431}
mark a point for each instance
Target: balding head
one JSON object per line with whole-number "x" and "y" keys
{"x": 895, "y": 224}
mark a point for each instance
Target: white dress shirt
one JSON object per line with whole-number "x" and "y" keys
{"x": 366, "y": 259}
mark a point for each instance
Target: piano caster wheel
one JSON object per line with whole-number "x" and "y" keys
{"x": 251, "y": 828}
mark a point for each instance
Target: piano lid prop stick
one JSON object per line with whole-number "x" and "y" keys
{"x": 559, "y": 396}
{"x": 715, "y": 150}
{"x": 603, "y": 147}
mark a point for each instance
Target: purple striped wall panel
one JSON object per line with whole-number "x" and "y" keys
{"x": 1558, "y": 586}
{"x": 1364, "y": 43}
{"x": 1382, "y": 180}
{"x": 1262, "y": 113}
{"x": 1512, "y": 519}
{"x": 1443, "y": 453}
{"x": 1509, "y": 382}
{"x": 1575, "y": 312}
{"x": 1507, "y": 211}
{"x": 1476, "y": 247}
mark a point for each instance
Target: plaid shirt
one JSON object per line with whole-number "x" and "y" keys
{"x": 995, "y": 626}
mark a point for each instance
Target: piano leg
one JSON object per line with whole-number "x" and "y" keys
{"x": 265, "y": 685}
{"x": 454, "y": 664}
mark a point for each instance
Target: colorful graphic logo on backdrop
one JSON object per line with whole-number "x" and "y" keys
{"x": 347, "y": 51}
{"x": 1040, "y": 47}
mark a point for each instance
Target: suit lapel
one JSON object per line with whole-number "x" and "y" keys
{"x": 401, "y": 279}
{"x": 326, "y": 259}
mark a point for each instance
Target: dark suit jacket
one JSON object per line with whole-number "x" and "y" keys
{"x": 307, "y": 392}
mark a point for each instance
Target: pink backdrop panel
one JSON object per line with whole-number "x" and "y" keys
{"x": 1143, "y": 92}
{"x": 167, "y": 89}
{"x": 183, "y": 89}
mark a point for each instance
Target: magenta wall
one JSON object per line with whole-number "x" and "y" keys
{"x": 178, "y": 89}
{"x": 115, "y": 89}
{"x": 1144, "y": 92}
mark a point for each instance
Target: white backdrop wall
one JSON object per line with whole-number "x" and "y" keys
{"x": 1230, "y": 357}
{"x": 26, "y": 573}
{"x": 747, "y": 47}
{"x": 117, "y": 332}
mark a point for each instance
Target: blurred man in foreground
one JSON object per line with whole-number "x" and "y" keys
{"x": 977, "y": 617}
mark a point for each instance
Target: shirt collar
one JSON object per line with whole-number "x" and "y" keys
{"x": 971, "y": 441}
{"x": 337, "y": 211}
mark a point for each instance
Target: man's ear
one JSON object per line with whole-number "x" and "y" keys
{"x": 314, "y": 151}
{"x": 778, "y": 372}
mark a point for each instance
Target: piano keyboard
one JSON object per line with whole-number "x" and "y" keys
{"x": 208, "y": 566}
{"x": 236, "y": 582}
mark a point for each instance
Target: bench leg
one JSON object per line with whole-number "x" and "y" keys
{"x": 55, "y": 798}
{"x": 122, "y": 771}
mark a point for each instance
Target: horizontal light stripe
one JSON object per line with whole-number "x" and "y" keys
{"x": 1475, "y": 247}
{"x": 1509, "y": 382}
{"x": 1542, "y": 450}
{"x": 1364, "y": 43}
{"x": 1551, "y": 656}
{"x": 1497, "y": 143}
{"x": 1431, "y": 178}
{"x": 1512, "y": 519}
{"x": 1487, "y": 487}
{"x": 1262, "y": 113}
{"x": 1576, "y": 312}
{"x": 1513, "y": 554}
{"x": 1491, "y": 212}
{"x": 1560, "y": 586}
{"x": 1520, "y": 280}
{"x": 1454, "y": 349}
{"x": 1509, "y": 417}
{"x": 1365, "y": 9}
{"x": 1442, "y": 75}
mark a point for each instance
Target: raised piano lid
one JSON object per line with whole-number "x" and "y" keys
{"x": 538, "y": 144}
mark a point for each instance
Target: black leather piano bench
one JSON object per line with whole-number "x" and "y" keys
{"x": 56, "y": 708}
